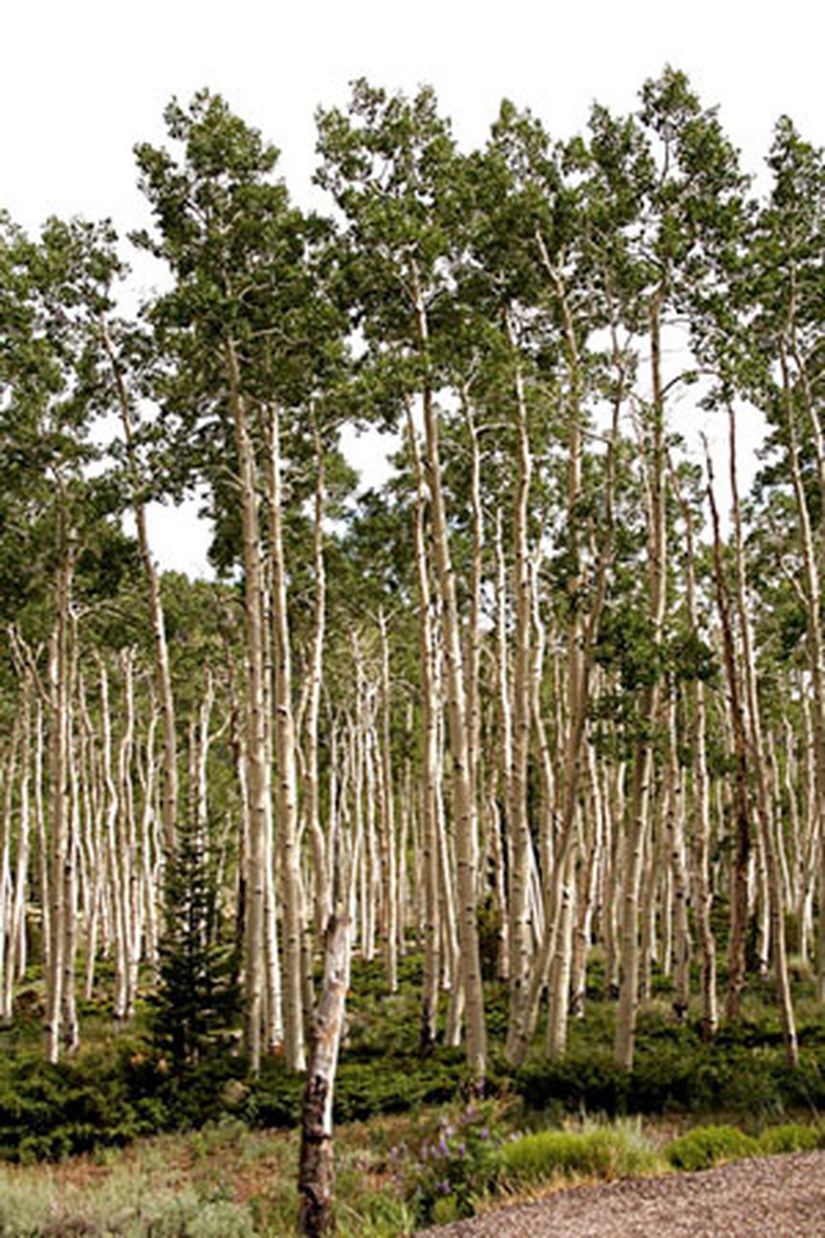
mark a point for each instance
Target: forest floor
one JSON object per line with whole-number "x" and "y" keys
{"x": 780, "y": 1196}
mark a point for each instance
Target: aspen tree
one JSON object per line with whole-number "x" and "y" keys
{"x": 316, "y": 1166}
{"x": 60, "y": 860}
{"x": 464, "y": 808}
{"x": 473, "y": 638}
{"x": 505, "y": 733}
{"x": 51, "y": 390}
{"x": 700, "y": 801}
{"x": 314, "y": 679}
{"x": 371, "y": 870}
{"x": 248, "y": 307}
{"x": 763, "y": 792}
{"x": 592, "y": 875}
{"x": 684, "y": 169}
{"x": 287, "y": 778}
{"x": 676, "y": 869}
{"x": 420, "y": 149}
{"x": 163, "y": 675}
{"x": 816, "y": 648}
{"x": 114, "y": 892}
{"x": 740, "y": 791}
{"x": 149, "y": 860}
{"x": 17, "y": 952}
{"x": 127, "y": 857}
{"x": 430, "y": 707}
{"x": 409, "y": 848}
{"x": 783, "y": 285}
{"x": 520, "y": 849}
{"x": 8, "y": 778}
{"x": 638, "y": 820}
{"x": 94, "y": 800}
{"x": 71, "y": 1025}
{"x": 389, "y": 845}
{"x": 806, "y": 861}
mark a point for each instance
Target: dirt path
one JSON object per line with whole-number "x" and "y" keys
{"x": 780, "y": 1196}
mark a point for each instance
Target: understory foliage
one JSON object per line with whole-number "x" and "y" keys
{"x": 125, "y": 1086}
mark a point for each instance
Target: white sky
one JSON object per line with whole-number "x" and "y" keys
{"x": 83, "y": 80}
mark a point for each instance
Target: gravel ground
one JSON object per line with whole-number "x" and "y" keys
{"x": 780, "y": 1196}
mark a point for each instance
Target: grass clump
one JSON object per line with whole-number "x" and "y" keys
{"x": 791, "y": 1137}
{"x": 707, "y": 1146}
{"x": 603, "y": 1152}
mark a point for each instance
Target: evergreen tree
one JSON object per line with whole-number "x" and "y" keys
{"x": 197, "y": 998}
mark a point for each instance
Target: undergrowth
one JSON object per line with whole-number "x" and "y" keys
{"x": 429, "y": 1148}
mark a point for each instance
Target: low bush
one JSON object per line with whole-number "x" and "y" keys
{"x": 48, "y": 1112}
{"x": 604, "y": 1152}
{"x": 362, "y": 1090}
{"x": 675, "y": 1073}
{"x": 588, "y": 1080}
{"x": 791, "y": 1137}
{"x": 707, "y": 1146}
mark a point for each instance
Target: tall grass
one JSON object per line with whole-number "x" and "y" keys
{"x": 603, "y": 1152}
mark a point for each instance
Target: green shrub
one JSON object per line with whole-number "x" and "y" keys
{"x": 791, "y": 1137}
{"x": 362, "y": 1089}
{"x": 744, "y": 1071}
{"x": 583, "y": 1080}
{"x": 707, "y": 1146}
{"x": 605, "y": 1152}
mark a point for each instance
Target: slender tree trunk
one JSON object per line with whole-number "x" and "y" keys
{"x": 588, "y": 890}
{"x": 675, "y": 823}
{"x": 389, "y": 850}
{"x": 59, "y": 758}
{"x": 816, "y": 647}
{"x": 258, "y": 772}
{"x": 162, "y": 671}
{"x": 560, "y": 969}
{"x": 70, "y": 1032}
{"x": 641, "y": 786}
{"x": 464, "y": 816}
{"x": 473, "y": 641}
{"x": 8, "y": 779}
{"x": 741, "y": 807}
{"x": 700, "y": 798}
{"x": 17, "y": 952}
{"x": 763, "y": 795}
{"x": 287, "y": 786}
{"x": 518, "y": 823}
{"x": 429, "y": 757}
{"x": 311, "y": 808}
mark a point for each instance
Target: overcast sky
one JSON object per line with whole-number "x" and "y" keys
{"x": 83, "y": 80}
